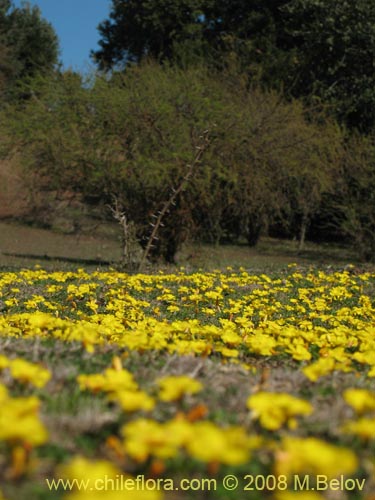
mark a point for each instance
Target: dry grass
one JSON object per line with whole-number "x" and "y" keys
{"x": 25, "y": 246}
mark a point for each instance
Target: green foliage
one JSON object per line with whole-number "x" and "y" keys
{"x": 252, "y": 31}
{"x": 132, "y": 137}
{"x": 321, "y": 50}
{"x": 271, "y": 165}
{"x": 335, "y": 44}
{"x": 28, "y": 45}
{"x": 355, "y": 198}
{"x": 152, "y": 28}
{"x": 189, "y": 31}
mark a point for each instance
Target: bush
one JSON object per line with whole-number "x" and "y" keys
{"x": 134, "y": 137}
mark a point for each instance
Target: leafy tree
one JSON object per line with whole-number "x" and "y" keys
{"x": 5, "y": 67}
{"x": 28, "y": 43}
{"x": 134, "y": 138}
{"x": 5, "y": 6}
{"x": 321, "y": 50}
{"x": 152, "y": 28}
{"x": 253, "y": 30}
{"x": 187, "y": 31}
{"x": 283, "y": 165}
{"x": 334, "y": 45}
{"x": 131, "y": 137}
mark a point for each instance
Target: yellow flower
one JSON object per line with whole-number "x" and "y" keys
{"x": 173, "y": 308}
{"x": 276, "y": 409}
{"x": 11, "y": 302}
{"x": 261, "y": 344}
{"x": 94, "y": 382}
{"x": 229, "y": 353}
{"x": 134, "y": 400}
{"x": 360, "y": 399}
{"x": 231, "y": 337}
{"x": 4, "y": 362}
{"x": 145, "y": 437}
{"x": 313, "y": 456}
{"x": 210, "y": 443}
{"x": 364, "y": 428}
{"x": 299, "y": 352}
{"x": 92, "y": 304}
{"x": 298, "y": 495}
{"x": 174, "y": 387}
{"x": 19, "y": 421}
{"x": 26, "y": 372}
{"x": 208, "y": 311}
{"x": 101, "y": 480}
{"x": 112, "y": 380}
{"x": 81, "y": 469}
{"x": 3, "y": 393}
{"x": 320, "y": 368}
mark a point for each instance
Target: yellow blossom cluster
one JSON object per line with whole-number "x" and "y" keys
{"x": 25, "y": 372}
{"x": 324, "y": 320}
{"x": 19, "y": 420}
{"x": 313, "y": 456}
{"x": 276, "y": 409}
{"x": 173, "y": 388}
{"x": 120, "y": 386}
{"x": 320, "y": 323}
{"x": 202, "y": 440}
{"x": 363, "y": 402}
{"x": 86, "y": 473}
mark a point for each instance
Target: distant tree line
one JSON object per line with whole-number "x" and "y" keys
{"x": 318, "y": 50}
{"x": 223, "y": 121}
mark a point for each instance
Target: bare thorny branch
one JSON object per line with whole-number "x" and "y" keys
{"x": 191, "y": 167}
{"x": 121, "y": 218}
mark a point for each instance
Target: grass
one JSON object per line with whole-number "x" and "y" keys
{"x": 25, "y": 246}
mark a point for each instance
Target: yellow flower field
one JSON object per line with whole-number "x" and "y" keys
{"x": 222, "y": 385}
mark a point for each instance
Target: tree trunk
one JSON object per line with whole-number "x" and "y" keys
{"x": 303, "y": 230}
{"x": 254, "y": 228}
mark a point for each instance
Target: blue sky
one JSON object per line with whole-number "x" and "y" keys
{"x": 75, "y": 22}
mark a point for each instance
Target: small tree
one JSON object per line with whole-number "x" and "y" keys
{"x": 281, "y": 164}
{"x": 131, "y": 137}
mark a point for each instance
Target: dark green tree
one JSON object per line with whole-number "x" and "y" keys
{"x": 184, "y": 30}
{"x": 28, "y": 44}
{"x": 353, "y": 205}
{"x": 254, "y": 31}
{"x": 321, "y": 50}
{"x": 153, "y": 28}
{"x": 334, "y": 45}
{"x": 5, "y": 6}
